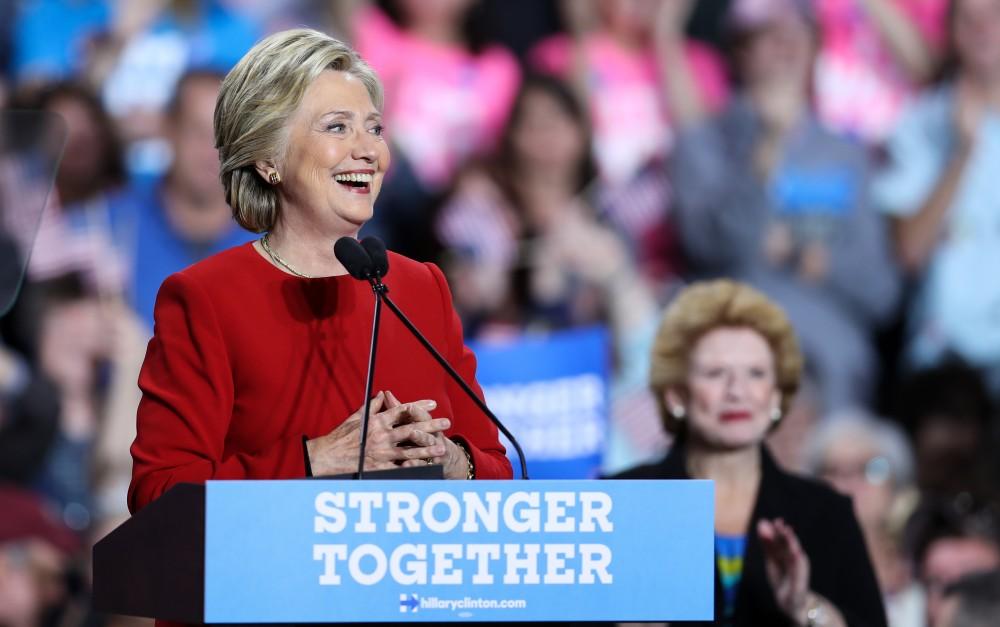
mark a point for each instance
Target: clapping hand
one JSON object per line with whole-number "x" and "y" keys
{"x": 787, "y": 567}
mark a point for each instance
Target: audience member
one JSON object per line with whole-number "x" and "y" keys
{"x": 73, "y": 352}
{"x": 766, "y": 194}
{"x": 168, "y": 223}
{"x": 35, "y": 548}
{"x": 942, "y": 189}
{"x": 528, "y": 251}
{"x": 869, "y": 460}
{"x": 951, "y": 539}
{"x": 972, "y": 601}
{"x": 948, "y": 413}
{"x": 639, "y": 77}
{"x": 75, "y": 231}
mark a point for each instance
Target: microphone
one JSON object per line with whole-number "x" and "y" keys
{"x": 354, "y": 258}
{"x": 379, "y": 259}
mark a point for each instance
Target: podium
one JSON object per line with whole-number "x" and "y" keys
{"x": 333, "y": 551}
{"x": 153, "y": 565}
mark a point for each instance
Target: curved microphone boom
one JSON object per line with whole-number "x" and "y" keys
{"x": 379, "y": 260}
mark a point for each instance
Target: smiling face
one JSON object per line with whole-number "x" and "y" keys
{"x": 335, "y": 159}
{"x": 731, "y": 391}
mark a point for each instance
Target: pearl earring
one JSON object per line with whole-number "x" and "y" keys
{"x": 775, "y": 413}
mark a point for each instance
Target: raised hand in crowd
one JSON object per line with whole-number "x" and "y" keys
{"x": 918, "y": 235}
{"x": 904, "y": 41}
{"x": 680, "y": 89}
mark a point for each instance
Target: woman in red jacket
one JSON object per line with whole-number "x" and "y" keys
{"x": 259, "y": 354}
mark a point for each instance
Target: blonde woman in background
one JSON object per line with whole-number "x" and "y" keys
{"x": 789, "y": 551}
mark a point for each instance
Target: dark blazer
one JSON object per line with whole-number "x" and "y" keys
{"x": 825, "y": 524}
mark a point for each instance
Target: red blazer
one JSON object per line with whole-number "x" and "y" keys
{"x": 246, "y": 359}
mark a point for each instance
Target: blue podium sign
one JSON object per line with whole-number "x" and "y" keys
{"x": 439, "y": 551}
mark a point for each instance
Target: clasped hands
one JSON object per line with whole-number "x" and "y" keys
{"x": 399, "y": 434}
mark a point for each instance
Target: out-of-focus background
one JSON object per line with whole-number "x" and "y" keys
{"x": 570, "y": 165}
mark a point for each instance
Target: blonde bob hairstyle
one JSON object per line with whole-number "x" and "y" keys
{"x": 255, "y": 101}
{"x": 707, "y": 306}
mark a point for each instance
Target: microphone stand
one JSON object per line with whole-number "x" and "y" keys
{"x": 376, "y": 319}
{"x": 382, "y": 294}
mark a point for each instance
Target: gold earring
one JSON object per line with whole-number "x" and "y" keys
{"x": 274, "y": 178}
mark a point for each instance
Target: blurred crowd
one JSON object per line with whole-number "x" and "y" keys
{"x": 568, "y": 164}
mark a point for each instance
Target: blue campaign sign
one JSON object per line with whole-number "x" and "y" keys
{"x": 551, "y": 391}
{"x": 439, "y": 551}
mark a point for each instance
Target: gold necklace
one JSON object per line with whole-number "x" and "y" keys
{"x": 277, "y": 259}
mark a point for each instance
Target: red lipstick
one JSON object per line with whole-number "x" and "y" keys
{"x": 735, "y": 416}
